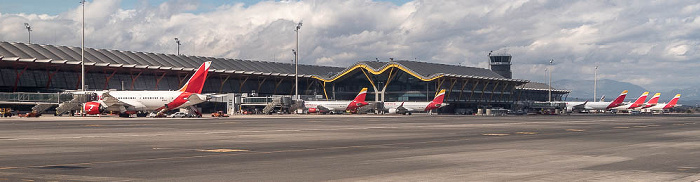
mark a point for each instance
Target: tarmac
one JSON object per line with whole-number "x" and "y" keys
{"x": 352, "y": 148}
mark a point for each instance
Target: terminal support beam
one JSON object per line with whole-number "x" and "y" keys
{"x": 277, "y": 85}
{"x": 376, "y": 92}
{"x": 493, "y": 91}
{"x": 241, "y": 83}
{"x": 447, "y": 96}
{"x": 440, "y": 81}
{"x": 77, "y": 85}
{"x": 324, "y": 89}
{"x": 473, "y": 89}
{"x": 308, "y": 84}
{"x": 50, "y": 76}
{"x": 483, "y": 91}
{"x": 158, "y": 79}
{"x": 223, "y": 81}
{"x": 134, "y": 78}
{"x": 18, "y": 75}
{"x": 461, "y": 91}
{"x": 260, "y": 83}
{"x": 107, "y": 78}
{"x": 181, "y": 79}
{"x": 392, "y": 74}
{"x": 503, "y": 90}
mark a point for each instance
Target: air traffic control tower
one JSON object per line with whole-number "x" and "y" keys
{"x": 500, "y": 63}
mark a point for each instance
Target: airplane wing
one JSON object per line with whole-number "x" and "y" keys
{"x": 110, "y": 101}
{"x": 198, "y": 98}
{"x": 323, "y": 109}
{"x": 403, "y": 109}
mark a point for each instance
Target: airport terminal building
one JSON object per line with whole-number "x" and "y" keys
{"x": 52, "y": 68}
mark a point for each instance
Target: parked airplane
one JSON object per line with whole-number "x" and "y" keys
{"x": 666, "y": 106}
{"x": 409, "y": 107}
{"x": 337, "y": 106}
{"x": 143, "y": 102}
{"x": 652, "y": 102}
{"x": 637, "y": 103}
{"x": 571, "y": 106}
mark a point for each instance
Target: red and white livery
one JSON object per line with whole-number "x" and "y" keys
{"x": 409, "y": 107}
{"x": 131, "y": 102}
{"x": 337, "y": 106}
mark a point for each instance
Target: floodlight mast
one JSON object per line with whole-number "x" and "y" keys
{"x": 595, "y": 83}
{"x": 29, "y": 31}
{"x": 550, "y": 80}
{"x": 82, "y": 51}
{"x": 178, "y": 45}
{"x": 296, "y": 64}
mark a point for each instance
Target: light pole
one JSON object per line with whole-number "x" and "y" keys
{"x": 29, "y": 31}
{"x": 82, "y": 51}
{"x": 550, "y": 80}
{"x": 178, "y": 45}
{"x": 595, "y": 83}
{"x": 296, "y": 64}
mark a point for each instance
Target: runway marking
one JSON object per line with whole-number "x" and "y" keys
{"x": 223, "y": 150}
{"x": 679, "y": 124}
{"x": 495, "y": 134}
{"x": 686, "y": 168}
{"x": 640, "y": 126}
{"x": 231, "y": 154}
{"x": 575, "y": 130}
{"x": 526, "y": 133}
{"x": 621, "y": 127}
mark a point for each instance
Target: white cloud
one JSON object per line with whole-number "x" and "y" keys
{"x": 634, "y": 41}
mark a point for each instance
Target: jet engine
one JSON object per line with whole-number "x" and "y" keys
{"x": 92, "y": 108}
{"x": 313, "y": 110}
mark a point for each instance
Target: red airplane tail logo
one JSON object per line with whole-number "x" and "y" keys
{"x": 437, "y": 101}
{"x": 359, "y": 101}
{"x": 673, "y": 102}
{"x": 196, "y": 83}
{"x": 653, "y": 101}
{"x": 618, "y": 100}
{"x": 639, "y": 101}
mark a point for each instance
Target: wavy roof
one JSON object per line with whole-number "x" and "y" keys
{"x": 142, "y": 60}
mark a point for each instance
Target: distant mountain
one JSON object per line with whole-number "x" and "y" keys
{"x": 583, "y": 89}
{"x": 689, "y": 96}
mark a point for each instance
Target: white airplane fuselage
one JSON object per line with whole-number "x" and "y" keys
{"x": 330, "y": 105}
{"x": 153, "y": 100}
{"x": 409, "y": 106}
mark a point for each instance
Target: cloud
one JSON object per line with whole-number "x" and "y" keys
{"x": 654, "y": 44}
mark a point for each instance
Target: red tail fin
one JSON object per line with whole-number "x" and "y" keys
{"x": 654, "y": 100}
{"x": 361, "y": 96}
{"x": 618, "y": 100}
{"x": 439, "y": 97}
{"x": 437, "y": 101}
{"x": 673, "y": 102}
{"x": 639, "y": 101}
{"x": 196, "y": 83}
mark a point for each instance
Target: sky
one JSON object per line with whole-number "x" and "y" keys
{"x": 654, "y": 44}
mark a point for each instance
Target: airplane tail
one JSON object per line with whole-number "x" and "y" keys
{"x": 640, "y": 100}
{"x": 654, "y": 100}
{"x": 602, "y": 99}
{"x": 673, "y": 102}
{"x": 196, "y": 83}
{"x": 437, "y": 101}
{"x": 361, "y": 96}
{"x": 439, "y": 97}
{"x": 618, "y": 100}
